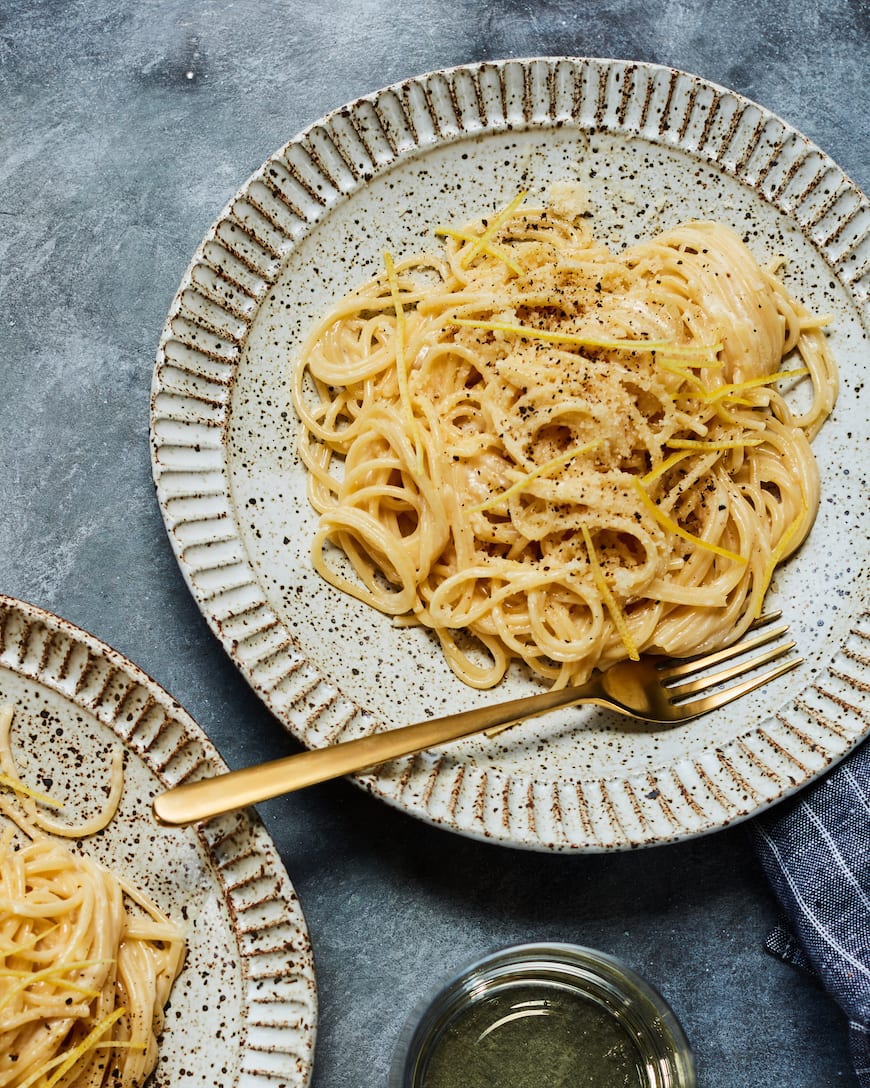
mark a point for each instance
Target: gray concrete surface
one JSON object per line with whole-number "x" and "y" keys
{"x": 124, "y": 129}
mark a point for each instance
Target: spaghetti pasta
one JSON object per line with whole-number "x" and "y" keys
{"x": 545, "y": 451}
{"x": 86, "y": 960}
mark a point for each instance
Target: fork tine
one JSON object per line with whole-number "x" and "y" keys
{"x": 698, "y": 664}
{"x": 728, "y": 695}
{"x": 704, "y": 683}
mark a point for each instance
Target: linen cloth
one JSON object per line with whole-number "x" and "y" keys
{"x": 815, "y": 850}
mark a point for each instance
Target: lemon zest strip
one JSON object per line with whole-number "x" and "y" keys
{"x": 603, "y": 588}
{"x": 17, "y": 786}
{"x": 726, "y": 391}
{"x": 56, "y": 973}
{"x": 88, "y": 1043}
{"x": 668, "y": 462}
{"x": 580, "y": 340}
{"x": 668, "y": 523}
{"x": 712, "y": 444}
{"x": 492, "y": 250}
{"x": 542, "y": 470}
{"x": 483, "y": 240}
{"x": 776, "y": 555}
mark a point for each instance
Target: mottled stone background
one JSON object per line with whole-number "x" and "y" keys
{"x": 124, "y": 129}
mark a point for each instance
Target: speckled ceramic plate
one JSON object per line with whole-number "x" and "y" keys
{"x": 243, "y": 1011}
{"x": 652, "y": 146}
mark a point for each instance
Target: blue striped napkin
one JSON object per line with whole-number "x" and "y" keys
{"x": 815, "y": 850}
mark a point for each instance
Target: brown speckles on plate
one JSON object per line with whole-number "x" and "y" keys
{"x": 652, "y": 146}
{"x": 248, "y": 987}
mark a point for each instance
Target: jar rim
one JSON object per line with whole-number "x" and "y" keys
{"x": 595, "y": 975}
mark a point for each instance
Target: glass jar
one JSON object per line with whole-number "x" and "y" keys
{"x": 544, "y": 1016}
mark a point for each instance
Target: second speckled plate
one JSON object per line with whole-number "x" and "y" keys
{"x": 652, "y": 147}
{"x": 243, "y": 1011}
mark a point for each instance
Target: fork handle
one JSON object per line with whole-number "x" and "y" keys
{"x": 209, "y": 797}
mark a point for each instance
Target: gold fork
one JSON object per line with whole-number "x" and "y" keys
{"x": 653, "y": 689}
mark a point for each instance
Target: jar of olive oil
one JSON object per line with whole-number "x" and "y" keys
{"x": 544, "y": 1016}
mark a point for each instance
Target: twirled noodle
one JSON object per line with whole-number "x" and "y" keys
{"x": 86, "y": 961}
{"x": 568, "y": 454}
